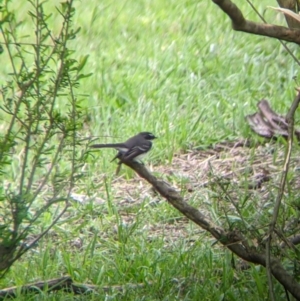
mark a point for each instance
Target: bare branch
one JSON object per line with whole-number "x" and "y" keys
{"x": 290, "y": 123}
{"x": 239, "y": 23}
{"x": 67, "y": 284}
{"x": 233, "y": 240}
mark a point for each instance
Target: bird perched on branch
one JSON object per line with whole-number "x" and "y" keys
{"x": 134, "y": 149}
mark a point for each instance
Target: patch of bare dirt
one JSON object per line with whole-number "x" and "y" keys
{"x": 220, "y": 174}
{"x": 237, "y": 163}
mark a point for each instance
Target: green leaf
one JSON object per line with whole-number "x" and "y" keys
{"x": 80, "y": 76}
{"x": 82, "y": 62}
{"x": 64, "y": 6}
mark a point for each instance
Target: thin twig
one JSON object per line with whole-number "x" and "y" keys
{"x": 290, "y": 121}
{"x": 282, "y": 43}
{"x": 239, "y": 23}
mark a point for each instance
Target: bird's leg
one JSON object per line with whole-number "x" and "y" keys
{"x": 119, "y": 167}
{"x": 120, "y": 156}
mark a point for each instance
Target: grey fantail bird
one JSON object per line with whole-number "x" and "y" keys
{"x": 134, "y": 149}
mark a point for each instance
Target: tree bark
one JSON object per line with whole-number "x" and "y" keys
{"x": 239, "y": 23}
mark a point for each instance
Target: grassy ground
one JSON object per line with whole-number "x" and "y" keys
{"x": 178, "y": 70}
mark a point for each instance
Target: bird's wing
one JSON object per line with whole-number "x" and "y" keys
{"x": 136, "y": 151}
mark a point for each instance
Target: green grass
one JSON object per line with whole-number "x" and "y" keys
{"x": 178, "y": 70}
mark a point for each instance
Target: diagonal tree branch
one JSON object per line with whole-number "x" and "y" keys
{"x": 239, "y": 23}
{"x": 233, "y": 240}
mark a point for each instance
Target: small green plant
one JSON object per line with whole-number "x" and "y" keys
{"x": 41, "y": 116}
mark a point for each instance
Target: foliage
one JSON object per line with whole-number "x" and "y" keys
{"x": 177, "y": 69}
{"x": 39, "y": 156}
